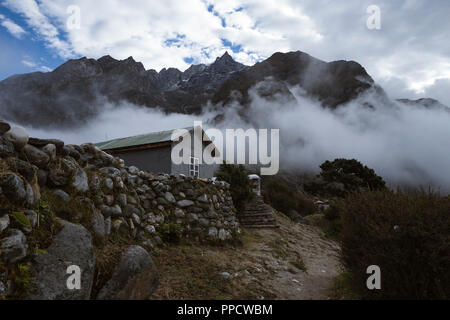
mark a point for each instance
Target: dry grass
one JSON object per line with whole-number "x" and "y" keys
{"x": 108, "y": 257}
{"x": 194, "y": 272}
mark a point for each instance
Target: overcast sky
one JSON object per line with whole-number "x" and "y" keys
{"x": 409, "y": 55}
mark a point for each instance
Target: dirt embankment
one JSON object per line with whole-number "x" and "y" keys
{"x": 294, "y": 261}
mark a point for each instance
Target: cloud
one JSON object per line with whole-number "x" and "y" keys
{"x": 405, "y": 145}
{"x": 411, "y": 47}
{"x": 41, "y": 24}
{"x": 27, "y": 61}
{"x": 118, "y": 121}
{"x": 13, "y": 28}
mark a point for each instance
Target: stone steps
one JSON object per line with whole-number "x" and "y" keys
{"x": 257, "y": 214}
{"x": 261, "y": 226}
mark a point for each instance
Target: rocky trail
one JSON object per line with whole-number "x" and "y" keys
{"x": 293, "y": 261}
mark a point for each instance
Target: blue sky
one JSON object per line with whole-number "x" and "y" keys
{"x": 25, "y": 54}
{"x": 408, "y": 55}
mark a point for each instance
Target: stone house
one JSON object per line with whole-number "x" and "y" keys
{"x": 152, "y": 152}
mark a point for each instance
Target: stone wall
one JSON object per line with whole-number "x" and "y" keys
{"x": 47, "y": 186}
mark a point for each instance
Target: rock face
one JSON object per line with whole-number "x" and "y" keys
{"x": 134, "y": 278}
{"x": 333, "y": 83}
{"x": 71, "y": 246}
{"x": 44, "y": 97}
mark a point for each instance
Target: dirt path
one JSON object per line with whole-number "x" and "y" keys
{"x": 292, "y": 262}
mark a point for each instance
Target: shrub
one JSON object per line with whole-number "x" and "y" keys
{"x": 237, "y": 177}
{"x": 342, "y": 176}
{"x": 171, "y": 232}
{"x": 285, "y": 199}
{"x": 406, "y": 235}
{"x": 279, "y": 195}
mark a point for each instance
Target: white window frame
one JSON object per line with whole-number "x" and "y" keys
{"x": 194, "y": 167}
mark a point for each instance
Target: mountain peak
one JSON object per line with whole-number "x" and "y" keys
{"x": 225, "y": 57}
{"x": 226, "y": 63}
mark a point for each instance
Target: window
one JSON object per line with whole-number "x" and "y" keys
{"x": 194, "y": 168}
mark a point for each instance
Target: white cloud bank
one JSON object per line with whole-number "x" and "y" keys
{"x": 404, "y": 144}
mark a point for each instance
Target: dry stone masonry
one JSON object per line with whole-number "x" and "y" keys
{"x": 62, "y": 203}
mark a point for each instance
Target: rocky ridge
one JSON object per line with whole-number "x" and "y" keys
{"x": 63, "y": 205}
{"x": 78, "y": 90}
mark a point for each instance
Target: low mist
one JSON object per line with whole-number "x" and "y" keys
{"x": 406, "y": 145}
{"x": 118, "y": 121}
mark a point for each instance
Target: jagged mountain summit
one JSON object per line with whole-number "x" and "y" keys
{"x": 77, "y": 90}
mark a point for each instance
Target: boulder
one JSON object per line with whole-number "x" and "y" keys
{"x": 62, "y": 195}
{"x": 13, "y": 248}
{"x": 43, "y": 142}
{"x": 108, "y": 226}
{"x": 6, "y": 148}
{"x": 185, "y": 203}
{"x": 223, "y": 234}
{"x": 110, "y": 171}
{"x": 109, "y": 184}
{"x": 134, "y": 278}
{"x": 169, "y": 197}
{"x": 57, "y": 177}
{"x": 203, "y": 222}
{"x": 203, "y": 198}
{"x": 32, "y": 217}
{"x": 150, "y": 229}
{"x": 42, "y": 177}
{"x": 71, "y": 151}
{"x": 4, "y": 127}
{"x": 98, "y": 224}
{"x": 71, "y": 246}
{"x": 31, "y": 198}
{"x": 27, "y": 170}
{"x": 50, "y": 150}
{"x": 18, "y": 136}
{"x": 80, "y": 182}
{"x": 178, "y": 213}
{"x": 114, "y": 211}
{"x": 95, "y": 183}
{"x": 4, "y": 222}
{"x": 13, "y": 188}
{"x": 212, "y": 232}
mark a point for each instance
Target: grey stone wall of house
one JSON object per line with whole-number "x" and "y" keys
{"x": 157, "y": 160}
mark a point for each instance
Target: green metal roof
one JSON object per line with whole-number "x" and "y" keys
{"x": 148, "y": 138}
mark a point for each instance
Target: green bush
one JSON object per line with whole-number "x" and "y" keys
{"x": 406, "y": 235}
{"x": 341, "y": 177}
{"x": 240, "y": 187}
{"x": 280, "y": 196}
{"x": 171, "y": 232}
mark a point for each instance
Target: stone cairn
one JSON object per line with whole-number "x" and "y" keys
{"x": 121, "y": 199}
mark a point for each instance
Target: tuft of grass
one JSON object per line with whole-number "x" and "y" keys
{"x": 299, "y": 264}
{"x": 76, "y": 210}
{"x": 189, "y": 274}
{"x": 343, "y": 287}
{"x": 23, "y": 281}
{"x": 108, "y": 257}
